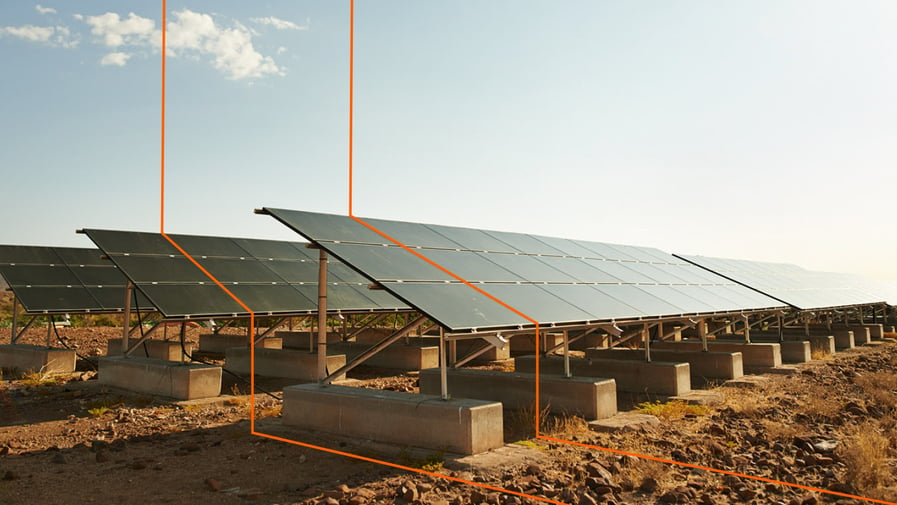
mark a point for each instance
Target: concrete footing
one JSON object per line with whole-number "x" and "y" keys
{"x": 24, "y": 358}
{"x": 527, "y": 343}
{"x": 465, "y": 347}
{"x": 398, "y": 356}
{"x": 703, "y": 365}
{"x": 631, "y": 376}
{"x": 760, "y": 355}
{"x": 861, "y": 334}
{"x": 156, "y": 349}
{"x": 460, "y": 426}
{"x": 301, "y": 339}
{"x": 824, "y": 344}
{"x": 284, "y": 363}
{"x": 211, "y": 343}
{"x": 162, "y": 378}
{"x": 588, "y": 397}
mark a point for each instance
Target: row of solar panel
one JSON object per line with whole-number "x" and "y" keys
{"x": 544, "y": 279}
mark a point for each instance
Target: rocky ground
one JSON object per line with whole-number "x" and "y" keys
{"x": 831, "y": 426}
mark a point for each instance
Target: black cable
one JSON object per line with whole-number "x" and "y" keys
{"x": 64, "y": 344}
{"x": 139, "y": 325}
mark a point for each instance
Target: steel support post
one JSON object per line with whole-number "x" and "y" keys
{"x": 443, "y": 369}
{"x": 15, "y": 319}
{"x": 702, "y": 332}
{"x": 322, "y": 315}
{"x": 49, "y": 331}
{"x": 646, "y": 337}
{"x": 453, "y": 352}
{"x": 567, "y": 373}
{"x": 747, "y": 328}
{"x": 781, "y": 322}
{"x": 126, "y": 319}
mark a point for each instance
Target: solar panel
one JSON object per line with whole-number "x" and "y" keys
{"x": 790, "y": 284}
{"x": 269, "y": 277}
{"x": 58, "y": 280}
{"x": 552, "y": 280}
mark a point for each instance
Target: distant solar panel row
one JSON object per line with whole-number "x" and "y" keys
{"x": 56, "y": 280}
{"x": 791, "y": 284}
{"x": 270, "y": 277}
{"x": 551, "y": 280}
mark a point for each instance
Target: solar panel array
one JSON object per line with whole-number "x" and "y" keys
{"x": 551, "y": 280}
{"x": 791, "y": 284}
{"x": 270, "y": 277}
{"x": 57, "y": 280}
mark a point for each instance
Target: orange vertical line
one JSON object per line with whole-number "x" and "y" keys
{"x": 351, "y": 93}
{"x": 162, "y": 152}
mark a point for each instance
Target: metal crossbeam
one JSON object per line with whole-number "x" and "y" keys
{"x": 379, "y": 346}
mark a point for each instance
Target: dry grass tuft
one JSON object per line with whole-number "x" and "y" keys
{"x": 880, "y": 387}
{"x": 672, "y": 410}
{"x": 820, "y": 408}
{"x": 748, "y": 403}
{"x": 865, "y": 453}
{"x": 782, "y": 432}
{"x": 564, "y": 426}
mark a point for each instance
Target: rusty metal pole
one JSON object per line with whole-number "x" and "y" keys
{"x": 322, "y": 316}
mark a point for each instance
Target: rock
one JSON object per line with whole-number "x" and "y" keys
{"x": 586, "y": 499}
{"x": 717, "y": 430}
{"x": 809, "y": 500}
{"x": 4, "y": 451}
{"x": 329, "y": 501}
{"x": 745, "y": 493}
{"x": 59, "y": 459}
{"x": 826, "y": 446}
{"x": 10, "y": 475}
{"x": 706, "y": 499}
{"x": 672, "y": 497}
{"x": 138, "y": 465}
{"x": 102, "y": 456}
{"x": 213, "y": 485}
{"x": 598, "y": 470}
{"x": 648, "y": 485}
{"x": 408, "y": 492}
{"x": 533, "y": 469}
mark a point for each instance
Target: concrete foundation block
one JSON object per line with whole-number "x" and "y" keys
{"x": 301, "y": 339}
{"x": 861, "y": 334}
{"x": 218, "y": 344}
{"x": 465, "y": 347}
{"x": 584, "y": 396}
{"x": 876, "y": 331}
{"x": 527, "y": 343}
{"x": 631, "y": 376}
{"x": 156, "y": 349}
{"x": 24, "y": 358}
{"x": 284, "y": 363}
{"x": 703, "y": 365}
{"x": 397, "y": 356}
{"x": 180, "y": 381}
{"x": 461, "y": 426}
{"x": 759, "y": 355}
{"x": 824, "y": 344}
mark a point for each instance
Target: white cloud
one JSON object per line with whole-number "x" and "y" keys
{"x": 281, "y": 50}
{"x": 117, "y": 58}
{"x": 115, "y": 31}
{"x": 231, "y": 48}
{"x": 45, "y": 10}
{"x": 54, "y": 36}
{"x": 79, "y": 17}
{"x": 280, "y": 24}
{"x": 29, "y": 32}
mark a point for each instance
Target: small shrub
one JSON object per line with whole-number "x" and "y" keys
{"x": 98, "y": 411}
{"x": 530, "y": 444}
{"x": 880, "y": 387}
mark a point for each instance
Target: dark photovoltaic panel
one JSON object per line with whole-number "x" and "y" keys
{"x": 551, "y": 280}
{"x": 58, "y": 280}
{"x": 270, "y": 277}
{"x": 790, "y": 284}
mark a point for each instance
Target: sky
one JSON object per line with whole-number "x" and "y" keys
{"x": 760, "y": 130}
